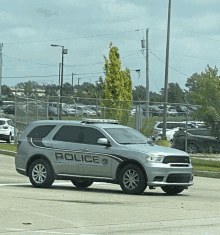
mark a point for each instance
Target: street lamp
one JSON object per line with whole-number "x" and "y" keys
{"x": 64, "y": 51}
{"x": 78, "y": 85}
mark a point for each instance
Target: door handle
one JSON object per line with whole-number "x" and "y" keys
{"x": 84, "y": 149}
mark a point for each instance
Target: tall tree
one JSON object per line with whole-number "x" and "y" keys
{"x": 139, "y": 93}
{"x": 206, "y": 94}
{"x": 6, "y": 91}
{"x": 175, "y": 93}
{"x": 117, "y": 87}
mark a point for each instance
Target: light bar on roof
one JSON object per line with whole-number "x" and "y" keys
{"x": 90, "y": 120}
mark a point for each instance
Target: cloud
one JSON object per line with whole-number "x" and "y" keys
{"x": 201, "y": 2}
{"x": 45, "y": 12}
{"x": 199, "y": 23}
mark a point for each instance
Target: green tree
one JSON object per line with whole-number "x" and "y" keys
{"x": 30, "y": 87}
{"x": 6, "y": 91}
{"x": 117, "y": 87}
{"x": 206, "y": 94}
{"x": 175, "y": 93}
{"x": 139, "y": 93}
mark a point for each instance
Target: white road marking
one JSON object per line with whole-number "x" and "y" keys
{"x": 43, "y": 231}
{"x": 56, "y": 183}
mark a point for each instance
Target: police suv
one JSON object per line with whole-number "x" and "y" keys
{"x": 99, "y": 150}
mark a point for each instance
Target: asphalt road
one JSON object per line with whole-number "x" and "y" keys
{"x": 103, "y": 208}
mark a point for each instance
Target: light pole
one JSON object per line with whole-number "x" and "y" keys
{"x": 78, "y": 85}
{"x": 64, "y": 51}
{"x": 166, "y": 75}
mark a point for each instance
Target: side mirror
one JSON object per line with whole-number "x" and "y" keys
{"x": 103, "y": 141}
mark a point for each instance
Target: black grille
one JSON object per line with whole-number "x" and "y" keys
{"x": 178, "y": 178}
{"x": 176, "y": 159}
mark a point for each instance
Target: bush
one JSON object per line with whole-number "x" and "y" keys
{"x": 148, "y": 126}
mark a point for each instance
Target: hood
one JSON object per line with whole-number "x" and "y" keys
{"x": 147, "y": 148}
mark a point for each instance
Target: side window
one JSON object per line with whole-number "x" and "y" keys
{"x": 69, "y": 134}
{"x": 91, "y": 135}
{"x": 2, "y": 122}
{"x": 41, "y": 131}
{"x": 160, "y": 125}
{"x": 170, "y": 125}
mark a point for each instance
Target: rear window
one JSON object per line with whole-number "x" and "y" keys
{"x": 200, "y": 132}
{"x": 2, "y": 122}
{"x": 41, "y": 131}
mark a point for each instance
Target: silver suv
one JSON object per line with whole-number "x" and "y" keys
{"x": 99, "y": 150}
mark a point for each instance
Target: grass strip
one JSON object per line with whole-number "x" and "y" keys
{"x": 206, "y": 165}
{"x": 8, "y": 147}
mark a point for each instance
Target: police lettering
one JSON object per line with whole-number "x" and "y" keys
{"x": 77, "y": 158}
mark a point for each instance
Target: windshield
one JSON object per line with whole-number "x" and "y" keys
{"x": 127, "y": 136}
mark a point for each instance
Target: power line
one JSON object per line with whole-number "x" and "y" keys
{"x": 26, "y": 61}
{"x": 212, "y": 39}
{"x": 169, "y": 66}
{"x": 65, "y": 39}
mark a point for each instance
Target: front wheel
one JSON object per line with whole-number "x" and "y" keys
{"x": 192, "y": 148}
{"x": 132, "y": 180}
{"x": 82, "y": 183}
{"x": 9, "y": 139}
{"x": 172, "y": 190}
{"x": 41, "y": 174}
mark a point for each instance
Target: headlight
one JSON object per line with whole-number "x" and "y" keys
{"x": 154, "y": 158}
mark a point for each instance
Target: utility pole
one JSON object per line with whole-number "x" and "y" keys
{"x": 72, "y": 81}
{"x": 1, "y": 45}
{"x": 145, "y": 45}
{"x": 147, "y": 74}
{"x": 78, "y": 86}
{"x": 166, "y": 75}
{"x": 59, "y": 72}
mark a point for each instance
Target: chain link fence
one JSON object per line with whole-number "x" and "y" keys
{"x": 132, "y": 113}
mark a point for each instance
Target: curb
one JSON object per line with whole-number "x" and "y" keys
{"x": 7, "y": 152}
{"x": 208, "y": 174}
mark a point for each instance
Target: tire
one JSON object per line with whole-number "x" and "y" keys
{"x": 132, "y": 180}
{"x": 41, "y": 174}
{"x": 82, "y": 183}
{"x": 172, "y": 190}
{"x": 192, "y": 148}
{"x": 171, "y": 143}
{"x": 9, "y": 140}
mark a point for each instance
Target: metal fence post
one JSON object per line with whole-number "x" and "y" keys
{"x": 96, "y": 107}
{"x": 15, "y": 127}
{"x": 37, "y": 108}
{"x": 47, "y": 106}
{"x": 186, "y": 127}
{"x": 26, "y": 116}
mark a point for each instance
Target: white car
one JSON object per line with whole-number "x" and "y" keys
{"x": 169, "y": 134}
{"x": 7, "y": 130}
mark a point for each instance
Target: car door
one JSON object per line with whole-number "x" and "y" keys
{"x": 96, "y": 159}
{"x": 66, "y": 145}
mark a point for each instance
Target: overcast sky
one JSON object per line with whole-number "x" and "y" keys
{"x": 85, "y": 28}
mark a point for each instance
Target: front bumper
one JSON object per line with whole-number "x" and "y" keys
{"x": 160, "y": 174}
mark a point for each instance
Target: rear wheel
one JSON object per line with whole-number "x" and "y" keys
{"x": 172, "y": 190}
{"x": 82, "y": 183}
{"x": 41, "y": 174}
{"x": 192, "y": 148}
{"x": 132, "y": 180}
